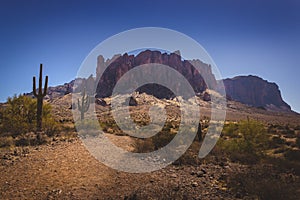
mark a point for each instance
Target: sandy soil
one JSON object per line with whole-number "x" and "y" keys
{"x": 66, "y": 170}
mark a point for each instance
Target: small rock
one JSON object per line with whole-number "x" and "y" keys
{"x": 173, "y": 175}
{"x": 200, "y": 174}
{"x": 176, "y": 188}
{"x": 238, "y": 195}
{"x": 194, "y": 184}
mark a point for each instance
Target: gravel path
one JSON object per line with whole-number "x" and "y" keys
{"x": 66, "y": 170}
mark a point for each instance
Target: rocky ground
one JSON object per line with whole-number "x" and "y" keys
{"x": 66, "y": 170}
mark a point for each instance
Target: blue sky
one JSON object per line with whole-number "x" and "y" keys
{"x": 243, "y": 37}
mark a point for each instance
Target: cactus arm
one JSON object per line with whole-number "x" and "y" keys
{"x": 46, "y": 86}
{"x": 84, "y": 105}
{"x": 33, "y": 87}
{"x": 79, "y": 106}
{"x": 87, "y": 103}
{"x": 40, "y": 79}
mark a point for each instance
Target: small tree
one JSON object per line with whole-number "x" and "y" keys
{"x": 254, "y": 137}
{"x": 19, "y": 116}
{"x": 247, "y": 140}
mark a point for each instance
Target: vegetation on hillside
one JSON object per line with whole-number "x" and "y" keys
{"x": 18, "y": 119}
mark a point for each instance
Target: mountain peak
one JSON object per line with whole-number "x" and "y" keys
{"x": 255, "y": 91}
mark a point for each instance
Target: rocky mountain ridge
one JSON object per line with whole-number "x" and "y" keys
{"x": 254, "y": 91}
{"x": 249, "y": 90}
{"x": 119, "y": 65}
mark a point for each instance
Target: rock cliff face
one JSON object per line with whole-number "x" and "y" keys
{"x": 250, "y": 90}
{"x": 255, "y": 91}
{"x": 117, "y": 67}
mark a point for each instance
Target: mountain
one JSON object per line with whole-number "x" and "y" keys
{"x": 121, "y": 64}
{"x": 255, "y": 91}
{"x": 249, "y": 90}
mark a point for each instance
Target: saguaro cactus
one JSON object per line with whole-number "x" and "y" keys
{"x": 40, "y": 95}
{"x": 84, "y": 105}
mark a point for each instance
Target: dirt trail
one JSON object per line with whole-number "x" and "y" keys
{"x": 66, "y": 170}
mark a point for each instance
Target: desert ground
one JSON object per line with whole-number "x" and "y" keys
{"x": 62, "y": 168}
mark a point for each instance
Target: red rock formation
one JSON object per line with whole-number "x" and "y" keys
{"x": 255, "y": 91}
{"x": 117, "y": 68}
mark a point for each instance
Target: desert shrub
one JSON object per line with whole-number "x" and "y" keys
{"x": 281, "y": 149}
{"x": 288, "y": 131}
{"x": 23, "y": 141}
{"x": 285, "y": 165}
{"x": 230, "y": 130}
{"x": 50, "y": 127}
{"x": 88, "y": 127}
{"x": 271, "y": 184}
{"x": 254, "y": 136}
{"x": 298, "y": 142}
{"x": 88, "y": 124}
{"x": 110, "y": 126}
{"x": 190, "y": 157}
{"x": 276, "y": 141}
{"x": 143, "y": 145}
{"x": 30, "y": 139}
{"x": 19, "y": 116}
{"x": 250, "y": 144}
{"x": 6, "y": 141}
{"x": 162, "y": 139}
{"x": 293, "y": 155}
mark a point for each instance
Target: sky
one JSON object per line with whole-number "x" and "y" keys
{"x": 243, "y": 37}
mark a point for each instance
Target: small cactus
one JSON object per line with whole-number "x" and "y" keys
{"x": 40, "y": 95}
{"x": 83, "y": 107}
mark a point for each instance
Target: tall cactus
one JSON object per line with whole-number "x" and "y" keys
{"x": 85, "y": 104}
{"x": 40, "y": 95}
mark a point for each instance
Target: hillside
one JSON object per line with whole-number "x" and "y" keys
{"x": 64, "y": 169}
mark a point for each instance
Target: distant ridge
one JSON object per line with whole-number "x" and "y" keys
{"x": 250, "y": 90}
{"x": 254, "y": 91}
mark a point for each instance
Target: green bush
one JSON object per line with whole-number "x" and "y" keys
{"x": 230, "y": 130}
{"x": 19, "y": 116}
{"x": 250, "y": 144}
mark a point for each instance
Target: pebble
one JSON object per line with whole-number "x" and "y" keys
{"x": 200, "y": 174}
{"x": 194, "y": 184}
{"x": 173, "y": 175}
